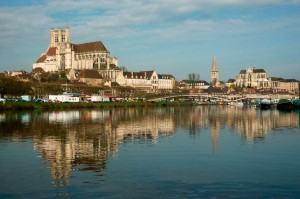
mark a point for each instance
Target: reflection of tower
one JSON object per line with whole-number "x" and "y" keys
{"x": 214, "y": 74}
{"x": 215, "y": 129}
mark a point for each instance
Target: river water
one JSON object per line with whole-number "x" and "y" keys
{"x": 166, "y": 152}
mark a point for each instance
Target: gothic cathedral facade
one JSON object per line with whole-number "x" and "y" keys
{"x": 62, "y": 54}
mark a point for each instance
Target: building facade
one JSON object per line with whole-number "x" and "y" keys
{"x": 166, "y": 82}
{"x": 259, "y": 79}
{"x": 143, "y": 80}
{"x": 252, "y": 77}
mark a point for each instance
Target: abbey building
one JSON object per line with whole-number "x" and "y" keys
{"x": 62, "y": 55}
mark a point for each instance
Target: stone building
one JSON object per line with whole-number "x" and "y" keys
{"x": 284, "y": 85}
{"x": 190, "y": 84}
{"x": 252, "y": 77}
{"x": 62, "y": 55}
{"x": 259, "y": 79}
{"x": 143, "y": 80}
{"x": 166, "y": 82}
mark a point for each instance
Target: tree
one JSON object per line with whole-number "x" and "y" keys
{"x": 12, "y": 87}
{"x": 123, "y": 68}
{"x": 193, "y": 78}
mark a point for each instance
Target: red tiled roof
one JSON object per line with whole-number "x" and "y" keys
{"x": 51, "y": 51}
{"x": 89, "y": 47}
{"x": 41, "y": 59}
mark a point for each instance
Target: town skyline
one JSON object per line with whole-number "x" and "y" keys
{"x": 177, "y": 38}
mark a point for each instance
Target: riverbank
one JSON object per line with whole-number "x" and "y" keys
{"x": 51, "y": 105}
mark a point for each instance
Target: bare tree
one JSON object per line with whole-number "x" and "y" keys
{"x": 193, "y": 78}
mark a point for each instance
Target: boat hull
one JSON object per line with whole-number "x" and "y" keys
{"x": 285, "y": 105}
{"x": 265, "y": 106}
{"x": 296, "y": 103}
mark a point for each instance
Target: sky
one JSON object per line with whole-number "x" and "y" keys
{"x": 176, "y": 37}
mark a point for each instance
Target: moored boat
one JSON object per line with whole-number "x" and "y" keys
{"x": 285, "y": 104}
{"x": 296, "y": 103}
{"x": 265, "y": 104}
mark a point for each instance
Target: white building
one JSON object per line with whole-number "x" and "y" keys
{"x": 166, "y": 82}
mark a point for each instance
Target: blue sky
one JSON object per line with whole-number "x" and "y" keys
{"x": 169, "y": 36}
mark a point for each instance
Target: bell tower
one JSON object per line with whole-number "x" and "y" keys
{"x": 214, "y": 74}
{"x": 59, "y": 37}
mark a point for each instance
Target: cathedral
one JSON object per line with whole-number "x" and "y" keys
{"x": 63, "y": 55}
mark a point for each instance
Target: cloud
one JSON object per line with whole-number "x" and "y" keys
{"x": 136, "y": 25}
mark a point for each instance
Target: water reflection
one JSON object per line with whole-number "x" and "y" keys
{"x": 83, "y": 140}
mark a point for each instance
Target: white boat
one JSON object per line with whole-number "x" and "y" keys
{"x": 239, "y": 104}
{"x": 265, "y": 103}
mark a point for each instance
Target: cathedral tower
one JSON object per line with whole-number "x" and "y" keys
{"x": 214, "y": 74}
{"x": 59, "y": 37}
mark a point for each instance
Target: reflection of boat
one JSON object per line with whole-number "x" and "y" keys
{"x": 284, "y": 104}
{"x": 265, "y": 104}
{"x": 296, "y": 103}
{"x": 221, "y": 102}
{"x": 239, "y": 104}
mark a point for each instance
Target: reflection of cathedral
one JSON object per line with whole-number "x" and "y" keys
{"x": 87, "y": 146}
{"x": 85, "y": 139}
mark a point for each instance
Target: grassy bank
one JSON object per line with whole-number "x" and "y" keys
{"x": 50, "y": 105}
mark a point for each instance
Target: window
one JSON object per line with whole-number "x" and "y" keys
{"x": 56, "y": 38}
{"x": 63, "y": 38}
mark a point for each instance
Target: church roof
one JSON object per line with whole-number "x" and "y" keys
{"x": 89, "y": 47}
{"x": 243, "y": 72}
{"x": 41, "y": 59}
{"x": 259, "y": 71}
{"x": 50, "y": 52}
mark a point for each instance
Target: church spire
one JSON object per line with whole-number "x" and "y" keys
{"x": 214, "y": 64}
{"x": 214, "y": 74}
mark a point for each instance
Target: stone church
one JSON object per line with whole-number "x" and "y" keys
{"x": 62, "y": 55}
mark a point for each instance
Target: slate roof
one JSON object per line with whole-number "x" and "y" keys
{"x": 88, "y": 47}
{"x": 289, "y": 80}
{"x": 196, "y": 81}
{"x": 243, "y": 72}
{"x": 276, "y": 78}
{"x": 138, "y": 75}
{"x": 165, "y": 76}
{"x": 231, "y": 81}
{"x": 259, "y": 71}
